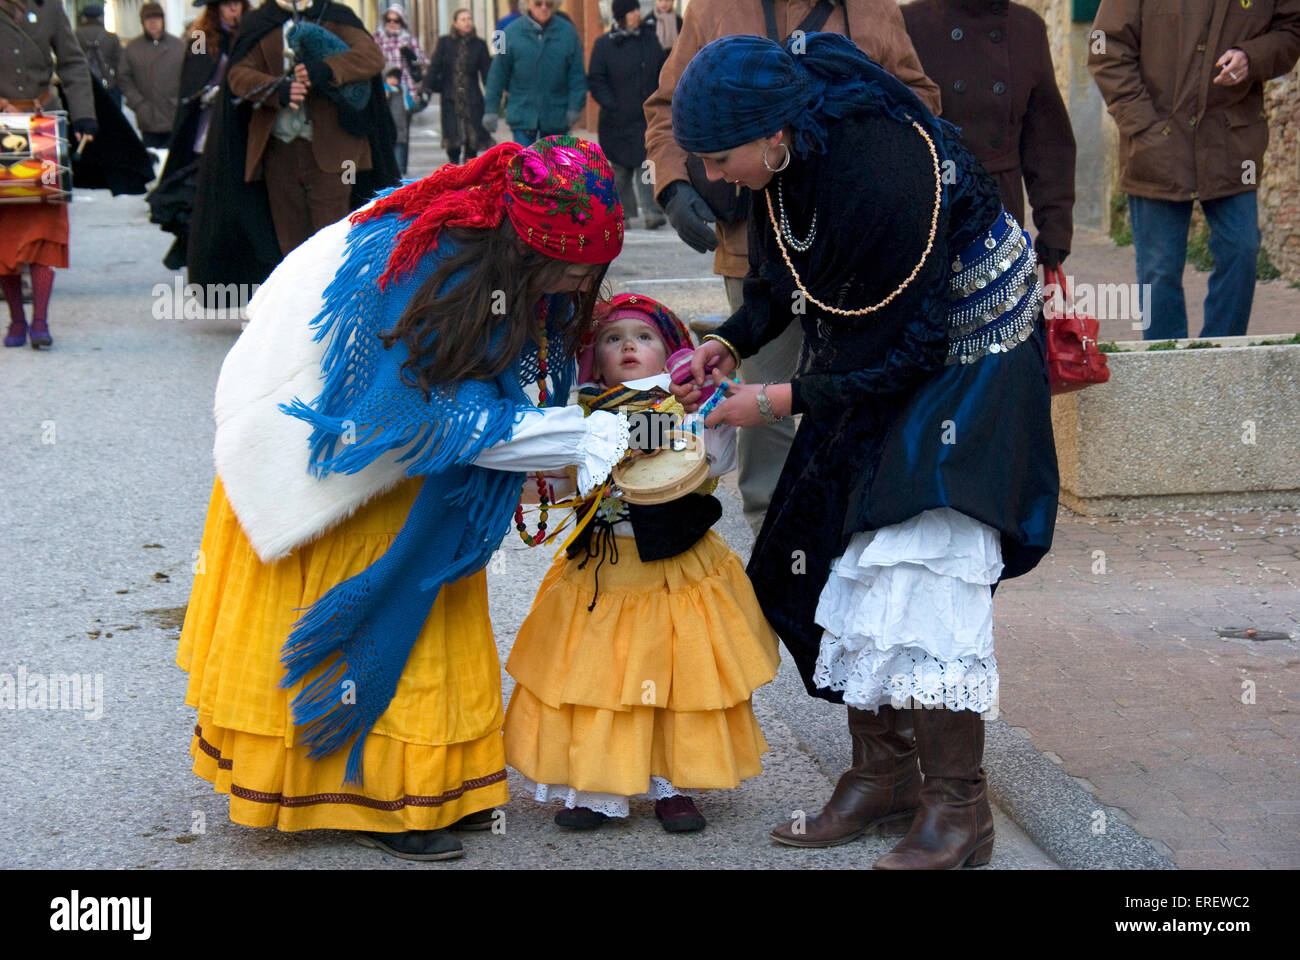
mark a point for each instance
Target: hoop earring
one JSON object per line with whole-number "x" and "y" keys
{"x": 784, "y": 163}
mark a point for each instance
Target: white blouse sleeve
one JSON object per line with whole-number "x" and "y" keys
{"x": 555, "y": 437}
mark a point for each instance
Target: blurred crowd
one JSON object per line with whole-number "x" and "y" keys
{"x": 278, "y": 119}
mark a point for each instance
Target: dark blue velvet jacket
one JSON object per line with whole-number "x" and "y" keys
{"x": 888, "y": 430}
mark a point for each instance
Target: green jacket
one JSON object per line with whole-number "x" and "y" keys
{"x": 542, "y": 72}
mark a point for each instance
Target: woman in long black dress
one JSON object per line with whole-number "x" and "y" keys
{"x": 208, "y": 44}
{"x": 457, "y": 73}
{"x": 622, "y": 73}
{"x": 924, "y": 469}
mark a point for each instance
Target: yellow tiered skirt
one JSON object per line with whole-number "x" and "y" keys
{"x": 655, "y": 681}
{"x": 436, "y": 753}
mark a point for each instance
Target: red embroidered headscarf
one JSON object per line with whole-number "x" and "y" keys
{"x": 559, "y": 193}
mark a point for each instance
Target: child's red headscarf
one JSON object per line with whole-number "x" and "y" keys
{"x": 671, "y": 330}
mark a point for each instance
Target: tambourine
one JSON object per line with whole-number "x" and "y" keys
{"x": 34, "y": 160}
{"x": 669, "y": 473}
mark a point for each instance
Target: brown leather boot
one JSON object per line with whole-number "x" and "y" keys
{"x": 880, "y": 789}
{"x": 954, "y": 827}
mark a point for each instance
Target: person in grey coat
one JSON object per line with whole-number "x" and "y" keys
{"x": 151, "y": 77}
{"x": 103, "y": 50}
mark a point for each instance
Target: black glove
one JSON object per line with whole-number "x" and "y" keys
{"x": 1052, "y": 258}
{"x": 86, "y": 126}
{"x": 649, "y": 430}
{"x": 690, "y": 216}
{"x": 412, "y": 64}
{"x": 319, "y": 73}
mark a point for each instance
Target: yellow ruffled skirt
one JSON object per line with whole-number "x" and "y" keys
{"x": 436, "y": 753}
{"x": 655, "y": 681}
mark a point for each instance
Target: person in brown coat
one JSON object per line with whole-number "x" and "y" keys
{"x": 1185, "y": 84}
{"x": 993, "y": 64}
{"x": 876, "y": 27}
{"x": 151, "y": 77}
{"x": 296, "y": 141}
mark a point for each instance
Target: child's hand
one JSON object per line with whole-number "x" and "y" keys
{"x": 688, "y": 394}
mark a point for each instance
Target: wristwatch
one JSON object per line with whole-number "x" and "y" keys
{"x": 765, "y": 406}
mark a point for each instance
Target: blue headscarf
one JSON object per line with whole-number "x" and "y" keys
{"x": 738, "y": 89}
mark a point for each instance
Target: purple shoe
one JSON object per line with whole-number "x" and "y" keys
{"x": 17, "y": 334}
{"x": 41, "y": 334}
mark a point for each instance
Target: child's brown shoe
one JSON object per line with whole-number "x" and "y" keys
{"x": 679, "y": 814}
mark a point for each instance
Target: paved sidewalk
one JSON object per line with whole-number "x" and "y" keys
{"x": 1111, "y": 660}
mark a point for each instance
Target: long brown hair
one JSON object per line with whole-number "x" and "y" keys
{"x": 209, "y": 22}
{"x": 448, "y": 334}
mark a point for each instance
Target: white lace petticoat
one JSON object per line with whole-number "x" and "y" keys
{"x": 610, "y": 804}
{"x": 908, "y": 615}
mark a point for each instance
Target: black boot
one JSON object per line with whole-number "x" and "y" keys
{"x": 414, "y": 844}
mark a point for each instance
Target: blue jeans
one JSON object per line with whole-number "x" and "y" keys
{"x": 526, "y": 138}
{"x": 1160, "y": 238}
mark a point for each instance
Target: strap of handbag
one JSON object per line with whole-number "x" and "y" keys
{"x": 730, "y": 202}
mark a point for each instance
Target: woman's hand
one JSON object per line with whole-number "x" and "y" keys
{"x": 712, "y": 357}
{"x": 740, "y": 409}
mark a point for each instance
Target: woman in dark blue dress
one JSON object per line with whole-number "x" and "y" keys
{"x": 924, "y": 469}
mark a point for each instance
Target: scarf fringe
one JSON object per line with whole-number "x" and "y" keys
{"x": 434, "y": 445}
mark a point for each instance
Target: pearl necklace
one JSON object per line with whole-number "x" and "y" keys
{"x": 799, "y": 246}
{"x": 929, "y": 244}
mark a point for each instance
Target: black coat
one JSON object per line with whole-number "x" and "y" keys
{"x": 622, "y": 73}
{"x": 441, "y": 79}
{"x": 854, "y": 465}
{"x": 115, "y": 160}
{"x": 172, "y": 200}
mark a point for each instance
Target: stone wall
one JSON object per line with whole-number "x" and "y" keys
{"x": 1279, "y": 185}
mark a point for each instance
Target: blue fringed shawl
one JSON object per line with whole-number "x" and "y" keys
{"x": 366, "y": 626}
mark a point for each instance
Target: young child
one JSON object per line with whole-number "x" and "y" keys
{"x": 634, "y": 669}
{"x": 401, "y": 105}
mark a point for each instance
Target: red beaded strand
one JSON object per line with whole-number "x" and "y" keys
{"x": 543, "y": 490}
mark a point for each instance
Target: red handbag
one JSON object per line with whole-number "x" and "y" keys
{"x": 1073, "y": 360}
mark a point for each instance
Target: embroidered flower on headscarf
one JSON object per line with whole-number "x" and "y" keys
{"x": 567, "y": 157}
{"x": 533, "y": 167}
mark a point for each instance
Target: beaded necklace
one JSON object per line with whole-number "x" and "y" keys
{"x": 799, "y": 246}
{"x": 543, "y": 489}
{"x": 929, "y": 244}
